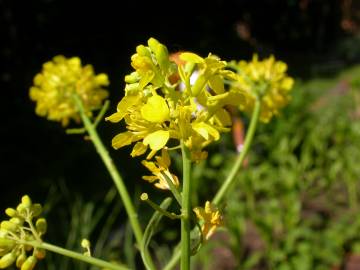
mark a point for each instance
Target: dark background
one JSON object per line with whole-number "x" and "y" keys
{"x": 312, "y": 36}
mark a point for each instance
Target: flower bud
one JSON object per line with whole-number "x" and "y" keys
{"x": 21, "y": 209}
{"x": 20, "y": 260}
{"x": 29, "y": 264}
{"x": 7, "y": 260}
{"x": 9, "y": 226}
{"x": 36, "y": 209}
{"x": 41, "y": 225}
{"x": 132, "y": 78}
{"x": 6, "y": 243}
{"x": 11, "y": 212}
{"x": 17, "y": 221}
{"x": 39, "y": 253}
{"x": 142, "y": 51}
{"x": 26, "y": 201}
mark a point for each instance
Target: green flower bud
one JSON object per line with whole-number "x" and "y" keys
{"x": 41, "y": 225}
{"x": 22, "y": 209}
{"x": 36, "y": 209}
{"x": 17, "y": 221}
{"x": 6, "y": 243}
{"x": 153, "y": 44}
{"x": 85, "y": 243}
{"x": 132, "y": 78}
{"x": 29, "y": 264}
{"x": 143, "y": 51}
{"x": 39, "y": 253}
{"x": 11, "y": 212}
{"x": 199, "y": 85}
{"x": 26, "y": 201}
{"x": 7, "y": 260}
{"x": 162, "y": 56}
{"x": 9, "y": 226}
{"x": 21, "y": 259}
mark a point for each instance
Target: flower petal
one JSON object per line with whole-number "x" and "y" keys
{"x": 157, "y": 139}
{"x": 122, "y": 139}
{"x": 155, "y": 110}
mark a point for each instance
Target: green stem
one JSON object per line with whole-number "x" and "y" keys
{"x": 248, "y": 140}
{"x": 249, "y": 136}
{"x": 173, "y": 188}
{"x": 186, "y": 209}
{"x": 119, "y": 183}
{"x": 75, "y": 255}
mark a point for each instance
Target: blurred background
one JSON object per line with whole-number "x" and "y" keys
{"x": 296, "y": 203}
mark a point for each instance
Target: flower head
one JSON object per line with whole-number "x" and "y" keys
{"x": 24, "y": 224}
{"x": 267, "y": 80}
{"x": 59, "y": 80}
{"x": 159, "y": 110}
{"x": 210, "y": 218}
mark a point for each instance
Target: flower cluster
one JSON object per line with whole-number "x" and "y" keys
{"x": 267, "y": 80}
{"x": 163, "y": 106}
{"x": 210, "y": 218}
{"x": 24, "y": 225}
{"x": 59, "y": 80}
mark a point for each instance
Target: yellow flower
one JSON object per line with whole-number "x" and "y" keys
{"x": 157, "y": 110}
{"x": 59, "y": 80}
{"x": 267, "y": 80}
{"x": 160, "y": 170}
{"x": 210, "y": 218}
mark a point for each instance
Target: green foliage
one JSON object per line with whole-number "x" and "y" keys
{"x": 295, "y": 206}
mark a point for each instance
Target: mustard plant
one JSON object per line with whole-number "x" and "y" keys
{"x": 172, "y": 103}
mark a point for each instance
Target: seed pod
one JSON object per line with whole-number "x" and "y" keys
{"x": 36, "y": 209}
{"x": 9, "y": 226}
{"x": 41, "y": 225}
{"x": 25, "y": 200}
{"x": 29, "y": 264}
{"x": 21, "y": 259}
{"x": 11, "y": 212}
{"x": 7, "y": 260}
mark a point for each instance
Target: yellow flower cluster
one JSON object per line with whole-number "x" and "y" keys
{"x": 210, "y": 218}
{"x": 267, "y": 80}
{"x": 159, "y": 110}
{"x": 15, "y": 230}
{"x": 59, "y": 80}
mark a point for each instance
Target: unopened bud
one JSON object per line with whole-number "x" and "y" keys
{"x": 20, "y": 260}
{"x": 39, "y": 253}
{"x": 26, "y": 201}
{"x": 36, "y": 209}
{"x": 41, "y": 225}
{"x": 6, "y": 243}
{"x": 132, "y": 78}
{"x": 11, "y": 212}
{"x": 7, "y": 260}
{"x": 144, "y": 197}
{"x": 9, "y": 226}
{"x": 29, "y": 264}
{"x": 142, "y": 51}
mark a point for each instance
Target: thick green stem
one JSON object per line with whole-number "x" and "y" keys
{"x": 75, "y": 255}
{"x": 186, "y": 209}
{"x": 248, "y": 140}
{"x": 100, "y": 148}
